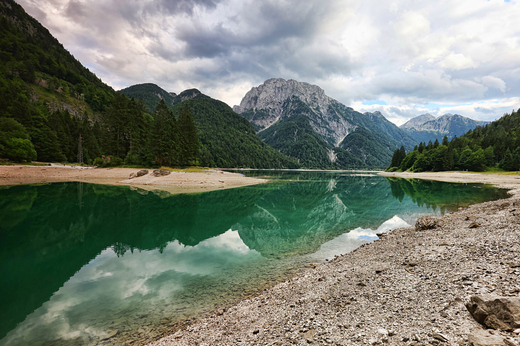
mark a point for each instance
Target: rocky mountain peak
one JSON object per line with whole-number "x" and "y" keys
{"x": 278, "y": 99}
{"x": 417, "y": 121}
{"x": 188, "y": 94}
{"x": 273, "y": 92}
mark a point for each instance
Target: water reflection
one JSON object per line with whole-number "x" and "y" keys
{"x": 80, "y": 261}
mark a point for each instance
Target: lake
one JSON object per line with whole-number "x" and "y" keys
{"x": 93, "y": 264}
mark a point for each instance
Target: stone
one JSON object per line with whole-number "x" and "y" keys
{"x": 426, "y": 222}
{"x": 138, "y": 173}
{"x": 440, "y": 337}
{"x": 309, "y": 335}
{"x": 484, "y": 338}
{"x": 142, "y": 172}
{"x": 495, "y": 312}
{"x": 160, "y": 172}
{"x": 110, "y": 334}
{"x": 383, "y": 331}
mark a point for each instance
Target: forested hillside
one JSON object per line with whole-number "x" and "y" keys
{"x": 301, "y": 121}
{"x": 150, "y": 93}
{"x": 54, "y": 109}
{"x": 226, "y": 138}
{"x": 41, "y": 85}
{"x": 494, "y": 145}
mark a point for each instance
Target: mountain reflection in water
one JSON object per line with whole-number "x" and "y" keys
{"x": 78, "y": 259}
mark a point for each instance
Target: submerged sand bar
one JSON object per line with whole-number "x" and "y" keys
{"x": 176, "y": 182}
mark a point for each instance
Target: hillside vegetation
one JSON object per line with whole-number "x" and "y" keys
{"x": 496, "y": 145}
{"x": 54, "y": 109}
{"x": 41, "y": 85}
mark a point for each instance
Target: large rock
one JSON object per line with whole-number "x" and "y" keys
{"x": 483, "y": 338}
{"x": 160, "y": 172}
{"x": 496, "y": 312}
{"x": 139, "y": 173}
{"x": 426, "y": 222}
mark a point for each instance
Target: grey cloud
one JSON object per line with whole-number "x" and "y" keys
{"x": 75, "y": 10}
{"x": 485, "y": 110}
{"x": 206, "y": 42}
{"x": 175, "y": 7}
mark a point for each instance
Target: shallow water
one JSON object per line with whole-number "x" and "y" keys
{"x": 90, "y": 264}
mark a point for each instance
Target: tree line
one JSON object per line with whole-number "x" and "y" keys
{"x": 122, "y": 134}
{"x": 496, "y": 145}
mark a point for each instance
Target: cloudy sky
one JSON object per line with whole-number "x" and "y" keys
{"x": 402, "y": 57}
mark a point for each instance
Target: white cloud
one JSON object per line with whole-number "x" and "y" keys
{"x": 494, "y": 82}
{"x": 410, "y": 54}
{"x": 457, "y": 62}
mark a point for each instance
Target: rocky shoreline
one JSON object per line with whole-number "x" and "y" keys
{"x": 410, "y": 287}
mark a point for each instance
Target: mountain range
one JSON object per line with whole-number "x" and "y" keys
{"x": 54, "y": 109}
{"x": 227, "y": 139}
{"x": 426, "y": 127}
{"x": 301, "y": 121}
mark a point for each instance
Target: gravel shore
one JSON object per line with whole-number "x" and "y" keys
{"x": 408, "y": 288}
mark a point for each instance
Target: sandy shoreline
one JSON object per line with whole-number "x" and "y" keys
{"x": 408, "y": 288}
{"x": 507, "y": 181}
{"x": 176, "y": 182}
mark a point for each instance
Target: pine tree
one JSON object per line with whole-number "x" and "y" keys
{"x": 507, "y": 162}
{"x": 164, "y": 135}
{"x": 189, "y": 140}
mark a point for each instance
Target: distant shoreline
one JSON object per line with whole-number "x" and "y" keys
{"x": 174, "y": 183}
{"x": 180, "y": 181}
{"x": 507, "y": 180}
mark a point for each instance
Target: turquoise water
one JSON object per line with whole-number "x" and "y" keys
{"x": 80, "y": 263}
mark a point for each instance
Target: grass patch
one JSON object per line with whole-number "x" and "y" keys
{"x": 188, "y": 169}
{"x": 9, "y": 163}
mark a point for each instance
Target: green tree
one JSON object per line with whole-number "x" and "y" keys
{"x": 409, "y": 160}
{"x": 14, "y": 141}
{"x": 507, "y": 163}
{"x": 438, "y": 158}
{"x": 465, "y": 158}
{"x": 164, "y": 136}
{"x": 188, "y": 138}
{"x": 490, "y": 156}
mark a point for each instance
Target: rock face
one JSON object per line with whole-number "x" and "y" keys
{"x": 502, "y": 313}
{"x": 426, "y": 127}
{"x": 415, "y": 123}
{"x": 268, "y": 103}
{"x": 301, "y": 121}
